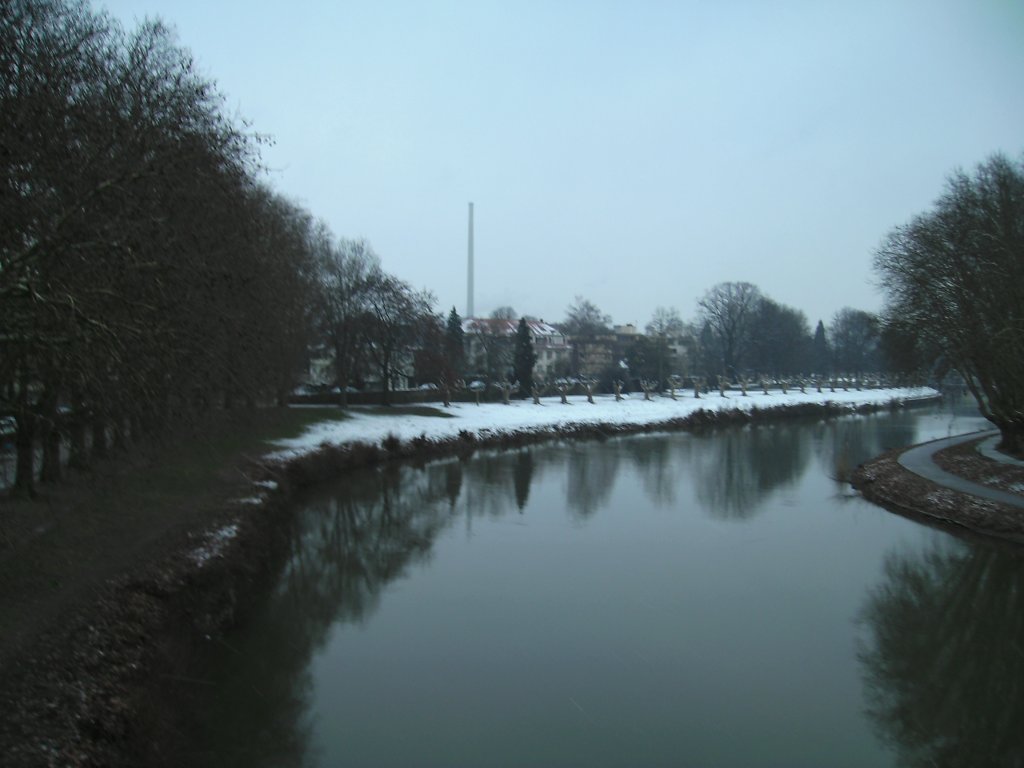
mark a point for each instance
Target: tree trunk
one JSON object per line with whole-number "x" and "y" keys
{"x": 50, "y": 471}
{"x": 99, "y": 437}
{"x": 24, "y": 445}
{"x": 49, "y": 436}
{"x": 120, "y": 435}
{"x": 77, "y": 458}
{"x": 1011, "y": 439}
{"x": 386, "y": 398}
{"x": 341, "y": 374}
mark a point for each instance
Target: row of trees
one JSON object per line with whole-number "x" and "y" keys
{"x": 372, "y": 321}
{"x": 738, "y": 332}
{"x": 743, "y": 330}
{"x": 147, "y": 274}
{"x": 142, "y": 267}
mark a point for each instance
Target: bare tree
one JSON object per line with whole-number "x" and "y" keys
{"x": 491, "y": 348}
{"x": 780, "y": 339}
{"x": 727, "y": 310}
{"x": 584, "y": 325}
{"x": 855, "y": 336}
{"x": 394, "y": 323}
{"x": 665, "y": 327}
{"x": 346, "y": 269}
{"x": 143, "y": 270}
{"x": 954, "y": 278}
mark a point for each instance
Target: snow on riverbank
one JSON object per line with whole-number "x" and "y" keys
{"x": 524, "y": 416}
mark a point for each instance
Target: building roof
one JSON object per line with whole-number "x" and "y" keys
{"x": 497, "y": 327}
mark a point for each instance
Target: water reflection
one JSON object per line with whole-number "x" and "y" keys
{"x": 590, "y": 473}
{"x": 945, "y": 664}
{"x": 737, "y": 470}
{"x": 845, "y": 443}
{"x": 654, "y": 460}
{"x": 619, "y": 644}
{"x": 522, "y": 476}
{"x": 349, "y": 543}
{"x": 452, "y": 482}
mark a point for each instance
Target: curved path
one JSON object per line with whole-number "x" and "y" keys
{"x": 920, "y": 461}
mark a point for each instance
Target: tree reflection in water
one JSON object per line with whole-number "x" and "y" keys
{"x": 944, "y": 667}
{"x": 346, "y": 547}
{"x": 591, "y": 470}
{"x": 737, "y": 469}
{"x": 355, "y": 537}
{"x": 522, "y": 477}
{"x": 452, "y": 481}
{"x": 845, "y": 443}
{"x": 653, "y": 458}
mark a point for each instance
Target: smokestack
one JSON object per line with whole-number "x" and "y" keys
{"x": 469, "y": 276}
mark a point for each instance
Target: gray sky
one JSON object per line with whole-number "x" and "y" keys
{"x": 634, "y": 153}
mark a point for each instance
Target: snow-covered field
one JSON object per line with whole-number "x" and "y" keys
{"x": 524, "y": 416}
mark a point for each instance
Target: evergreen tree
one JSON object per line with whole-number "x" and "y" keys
{"x": 821, "y": 357}
{"x": 454, "y": 341}
{"x": 525, "y": 358}
{"x": 642, "y": 357}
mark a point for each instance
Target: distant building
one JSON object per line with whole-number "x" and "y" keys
{"x": 490, "y": 347}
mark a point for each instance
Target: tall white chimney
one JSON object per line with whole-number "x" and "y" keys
{"x": 469, "y": 277}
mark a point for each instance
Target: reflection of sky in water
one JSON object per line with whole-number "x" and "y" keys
{"x": 650, "y": 600}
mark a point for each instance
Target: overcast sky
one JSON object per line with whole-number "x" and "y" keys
{"x": 634, "y": 153}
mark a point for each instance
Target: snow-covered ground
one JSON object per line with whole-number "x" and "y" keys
{"x": 524, "y": 415}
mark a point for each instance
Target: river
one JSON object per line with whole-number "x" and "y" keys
{"x": 719, "y": 599}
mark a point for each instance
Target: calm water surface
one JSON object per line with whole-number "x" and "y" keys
{"x": 667, "y": 599}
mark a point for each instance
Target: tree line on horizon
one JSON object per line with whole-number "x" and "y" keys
{"x": 737, "y": 332}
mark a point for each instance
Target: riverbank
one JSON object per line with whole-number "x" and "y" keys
{"x": 886, "y": 481}
{"x": 523, "y": 418}
{"x": 84, "y": 689}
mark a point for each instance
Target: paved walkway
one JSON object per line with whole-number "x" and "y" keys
{"x": 920, "y": 461}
